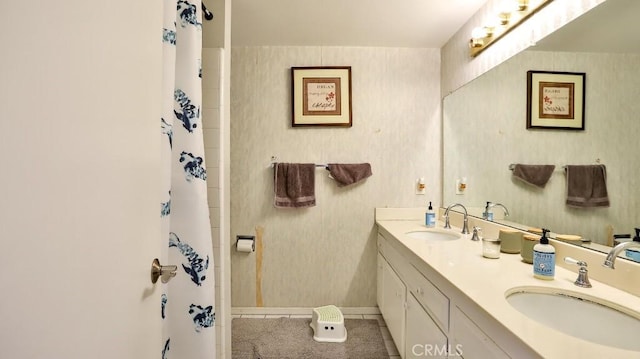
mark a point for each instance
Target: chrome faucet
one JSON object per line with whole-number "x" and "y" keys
{"x": 490, "y": 205}
{"x": 583, "y": 273}
{"x": 465, "y": 226}
{"x": 613, "y": 254}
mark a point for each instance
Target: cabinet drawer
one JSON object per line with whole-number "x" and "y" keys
{"x": 469, "y": 340}
{"x": 395, "y": 259}
{"x": 429, "y": 296}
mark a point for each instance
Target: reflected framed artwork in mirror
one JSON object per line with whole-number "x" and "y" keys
{"x": 321, "y": 96}
{"x": 555, "y": 100}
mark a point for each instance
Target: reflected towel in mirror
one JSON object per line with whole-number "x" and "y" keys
{"x": 587, "y": 186}
{"x": 536, "y": 175}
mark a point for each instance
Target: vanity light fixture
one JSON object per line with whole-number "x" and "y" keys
{"x": 505, "y": 9}
{"x": 477, "y": 37}
{"x": 510, "y": 14}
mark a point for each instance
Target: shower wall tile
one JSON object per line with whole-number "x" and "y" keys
{"x": 327, "y": 254}
{"x": 211, "y": 138}
{"x": 211, "y": 96}
{"x": 210, "y": 118}
{"x": 215, "y": 237}
{"x": 213, "y": 195}
{"x": 212, "y": 153}
{"x": 214, "y": 213}
{"x": 211, "y": 64}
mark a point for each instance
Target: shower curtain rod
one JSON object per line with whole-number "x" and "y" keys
{"x": 207, "y": 14}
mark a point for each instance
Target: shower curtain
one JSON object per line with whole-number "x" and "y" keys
{"x": 187, "y": 306}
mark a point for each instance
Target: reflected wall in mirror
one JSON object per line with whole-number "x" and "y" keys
{"x": 484, "y": 129}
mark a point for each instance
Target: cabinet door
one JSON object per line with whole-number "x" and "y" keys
{"x": 423, "y": 337}
{"x": 470, "y": 341}
{"x": 393, "y": 303}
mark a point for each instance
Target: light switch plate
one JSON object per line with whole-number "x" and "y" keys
{"x": 458, "y": 191}
{"x": 421, "y": 188}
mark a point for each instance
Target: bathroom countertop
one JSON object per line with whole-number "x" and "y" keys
{"x": 486, "y": 282}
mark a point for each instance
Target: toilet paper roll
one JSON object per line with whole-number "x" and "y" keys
{"x": 244, "y": 245}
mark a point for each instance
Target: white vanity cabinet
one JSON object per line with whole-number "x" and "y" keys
{"x": 427, "y": 316}
{"x": 394, "y": 297}
{"x": 412, "y": 328}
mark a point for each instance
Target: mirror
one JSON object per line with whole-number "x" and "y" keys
{"x": 484, "y": 130}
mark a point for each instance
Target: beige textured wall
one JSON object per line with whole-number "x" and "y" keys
{"x": 484, "y": 132}
{"x": 326, "y": 254}
{"x": 458, "y": 68}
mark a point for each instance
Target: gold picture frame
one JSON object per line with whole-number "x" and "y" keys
{"x": 555, "y": 100}
{"x": 321, "y": 96}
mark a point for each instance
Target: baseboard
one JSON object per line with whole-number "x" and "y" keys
{"x": 300, "y": 310}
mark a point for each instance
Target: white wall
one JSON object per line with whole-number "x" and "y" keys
{"x": 326, "y": 254}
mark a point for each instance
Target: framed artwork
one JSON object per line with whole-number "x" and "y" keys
{"x": 321, "y": 96}
{"x": 555, "y": 100}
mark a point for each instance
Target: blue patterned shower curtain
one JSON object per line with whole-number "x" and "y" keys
{"x": 188, "y": 309}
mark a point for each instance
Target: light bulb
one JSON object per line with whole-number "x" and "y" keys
{"x": 478, "y": 33}
{"x": 508, "y": 6}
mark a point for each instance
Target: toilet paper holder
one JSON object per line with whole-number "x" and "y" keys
{"x": 246, "y": 238}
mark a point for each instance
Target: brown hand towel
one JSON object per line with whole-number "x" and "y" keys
{"x": 536, "y": 175}
{"x": 587, "y": 186}
{"x": 294, "y": 185}
{"x": 349, "y": 173}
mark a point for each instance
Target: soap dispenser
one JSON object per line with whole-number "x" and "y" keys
{"x": 544, "y": 258}
{"x": 430, "y": 217}
{"x": 487, "y": 214}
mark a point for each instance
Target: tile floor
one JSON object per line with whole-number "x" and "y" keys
{"x": 388, "y": 342}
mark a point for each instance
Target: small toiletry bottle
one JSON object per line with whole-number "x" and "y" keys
{"x": 430, "y": 217}
{"x": 487, "y": 214}
{"x": 544, "y": 258}
{"x": 634, "y": 253}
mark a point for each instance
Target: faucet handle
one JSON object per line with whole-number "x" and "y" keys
{"x": 570, "y": 260}
{"x": 583, "y": 273}
{"x": 475, "y": 236}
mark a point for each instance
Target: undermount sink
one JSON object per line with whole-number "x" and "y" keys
{"x": 578, "y": 315}
{"x": 434, "y": 235}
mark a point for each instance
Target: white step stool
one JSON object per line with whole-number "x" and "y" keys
{"x": 328, "y": 324}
